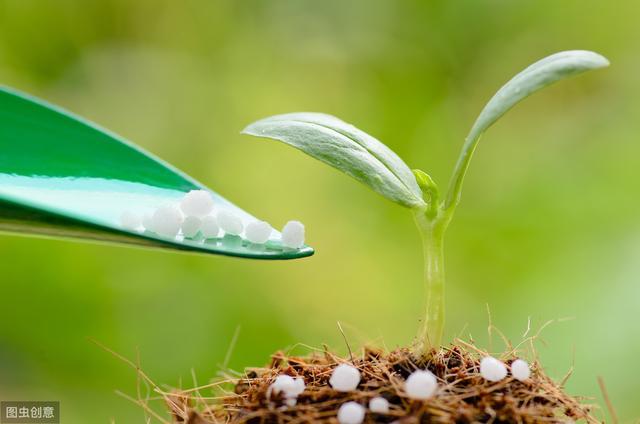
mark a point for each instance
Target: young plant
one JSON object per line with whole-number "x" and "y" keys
{"x": 366, "y": 159}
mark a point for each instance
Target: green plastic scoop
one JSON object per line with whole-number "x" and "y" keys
{"x": 62, "y": 176}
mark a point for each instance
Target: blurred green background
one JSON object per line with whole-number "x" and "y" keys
{"x": 548, "y": 227}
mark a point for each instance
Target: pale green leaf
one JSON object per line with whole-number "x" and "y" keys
{"x": 346, "y": 148}
{"x": 535, "y": 77}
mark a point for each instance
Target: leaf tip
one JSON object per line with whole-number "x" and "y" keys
{"x": 251, "y": 129}
{"x": 598, "y": 60}
{"x": 590, "y": 58}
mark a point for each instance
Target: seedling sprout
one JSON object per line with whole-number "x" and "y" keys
{"x": 366, "y": 159}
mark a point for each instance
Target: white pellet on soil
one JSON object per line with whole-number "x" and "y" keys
{"x": 520, "y": 370}
{"x": 167, "y": 220}
{"x": 293, "y": 234}
{"x": 258, "y": 232}
{"x": 191, "y": 226}
{"x": 282, "y": 383}
{"x": 197, "y": 203}
{"x": 421, "y": 385}
{"x": 230, "y": 222}
{"x": 298, "y": 386}
{"x": 289, "y": 387}
{"x": 379, "y": 405}
{"x": 209, "y": 227}
{"x": 345, "y": 378}
{"x": 492, "y": 369}
{"x": 130, "y": 220}
{"x": 351, "y": 413}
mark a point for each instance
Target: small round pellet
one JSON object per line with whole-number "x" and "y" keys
{"x": 230, "y": 222}
{"x": 345, "y": 378}
{"x": 520, "y": 370}
{"x": 379, "y": 405}
{"x": 191, "y": 226}
{"x": 421, "y": 385}
{"x": 492, "y": 369}
{"x": 209, "y": 227}
{"x": 167, "y": 221}
{"x": 147, "y": 222}
{"x": 130, "y": 221}
{"x": 197, "y": 203}
{"x": 351, "y": 413}
{"x": 293, "y": 235}
{"x": 289, "y": 387}
{"x": 258, "y": 232}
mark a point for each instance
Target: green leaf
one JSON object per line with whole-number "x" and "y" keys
{"x": 346, "y": 148}
{"x": 537, "y": 76}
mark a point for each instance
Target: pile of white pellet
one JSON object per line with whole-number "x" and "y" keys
{"x": 420, "y": 385}
{"x": 493, "y": 369}
{"x": 196, "y": 215}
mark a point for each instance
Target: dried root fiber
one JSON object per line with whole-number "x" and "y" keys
{"x": 463, "y": 395}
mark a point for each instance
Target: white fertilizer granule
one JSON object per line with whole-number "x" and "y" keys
{"x": 167, "y": 221}
{"x": 345, "y": 378}
{"x": 298, "y": 386}
{"x": 351, "y": 413}
{"x": 197, "y": 203}
{"x": 209, "y": 227}
{"x": 258, "y": 232}
{"x": 379, "y": 405}
{"x": 230, "y": 222}
{"x": 130, "y": 221}
{"x": 492, "y": 369}
{"x": 293, "y": 234}
{"x": 289, "y": 387}
{"x": 147, "y": 222}
{"x": 191, "y": 226}
{"x": 421, "y": 385}
{"x": 520, "y": 370}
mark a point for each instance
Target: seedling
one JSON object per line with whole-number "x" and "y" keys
{"x": 366, "y": 159}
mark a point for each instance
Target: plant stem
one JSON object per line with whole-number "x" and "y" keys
{"x": 432, "y": 231}
{"x": 455, "y": 185}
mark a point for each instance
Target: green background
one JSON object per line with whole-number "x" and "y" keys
{"x": 548, "y": 227}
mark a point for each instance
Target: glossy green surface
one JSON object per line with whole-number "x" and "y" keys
{"x": 62, "y": 176}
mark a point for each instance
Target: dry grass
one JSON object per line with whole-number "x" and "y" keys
{"x": 463, "y": 395}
